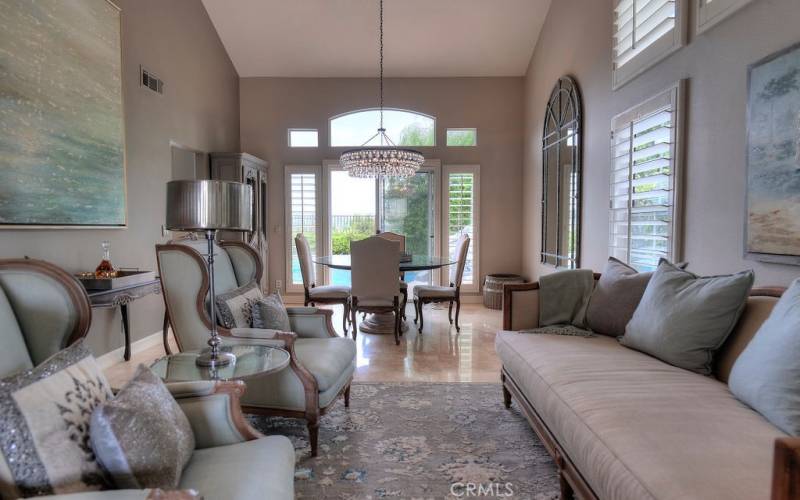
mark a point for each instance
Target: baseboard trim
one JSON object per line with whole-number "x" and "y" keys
{"x": 114, "y": 357}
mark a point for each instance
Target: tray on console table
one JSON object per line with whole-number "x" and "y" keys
{"x": 123, "y": 279}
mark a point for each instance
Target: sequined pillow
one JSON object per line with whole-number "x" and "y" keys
{"x": 270, "y": 313}
{"x": 234, "y": 308}
{"x": 142, "y": 438}
{"x": 44, "y": 444}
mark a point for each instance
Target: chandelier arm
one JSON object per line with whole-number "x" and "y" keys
{"x": 369, "y": 140}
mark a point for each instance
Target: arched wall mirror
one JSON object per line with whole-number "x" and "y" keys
{"x": 561, "y": 176}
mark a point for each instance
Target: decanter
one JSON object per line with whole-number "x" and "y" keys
{"x": 105, "y": 269}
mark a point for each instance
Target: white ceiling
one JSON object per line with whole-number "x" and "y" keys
{"x": 339, "y": 38}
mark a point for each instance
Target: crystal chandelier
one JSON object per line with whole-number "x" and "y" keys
{"x": 386, "y": 159}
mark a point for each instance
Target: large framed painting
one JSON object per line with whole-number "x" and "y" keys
{"x": 772, "y": 226}
{"x": 62, "y": 140}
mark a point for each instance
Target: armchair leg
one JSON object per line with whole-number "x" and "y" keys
{"x": 344, "y": 319}
{"x": 347, "y": 397}
{"x": 396, "y": 320}
{"x": 450, "y": 312}
{"x": 353, "y": 322}
{"x": 313, "y": 436}
{"x": 405, "y": 303}
{"x": 458, "y": 312}
{"x": 416, "y": 311}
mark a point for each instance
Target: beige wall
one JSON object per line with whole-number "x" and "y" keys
{"x": 269, "y": 106}
{"x": 199, "y": 109}
{"x": 576, "y": 40}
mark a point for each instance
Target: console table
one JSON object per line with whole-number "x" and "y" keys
{"x": 121, "y": 297}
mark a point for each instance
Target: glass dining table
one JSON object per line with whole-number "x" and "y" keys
{"x": 384, "y": 322}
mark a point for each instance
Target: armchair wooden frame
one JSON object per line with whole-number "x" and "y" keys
{"x": 312, "y": 411}
{"x": 76, "y": 292}
{"x": 786, "y": 467}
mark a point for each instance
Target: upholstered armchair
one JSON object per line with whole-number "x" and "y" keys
{"x": 322, "y": 363}
{"x": 43, "y": 310}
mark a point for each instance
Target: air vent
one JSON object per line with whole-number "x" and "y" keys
{"x": 151, "y": 81}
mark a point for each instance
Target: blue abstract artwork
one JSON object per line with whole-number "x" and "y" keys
{"x": 62, "y": 154}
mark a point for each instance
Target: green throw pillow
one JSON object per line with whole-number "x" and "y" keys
{"x": 683, "y": 318}
{"x": 766, "y": 376}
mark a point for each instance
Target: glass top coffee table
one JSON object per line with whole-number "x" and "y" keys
{"x": 250, "y": 360}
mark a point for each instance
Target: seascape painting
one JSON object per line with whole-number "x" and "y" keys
{"x": 62, "y": 155}
{"x": 773, "y": 159}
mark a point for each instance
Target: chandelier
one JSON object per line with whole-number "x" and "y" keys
{"x": 386, "y": 159}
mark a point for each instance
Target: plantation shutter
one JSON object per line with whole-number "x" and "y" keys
{"x": 642, "y": 222}
{"x": 644, "y": 31}
{"x": 460, "y": 216}
{"x": 303, "y": 216}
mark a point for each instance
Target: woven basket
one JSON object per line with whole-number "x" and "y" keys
{"x": 493, "y": 288}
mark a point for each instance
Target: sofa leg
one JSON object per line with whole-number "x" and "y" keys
{"x": 506, "y": 397}
{"x": 313, "y": 437}
{"x": 347, "y": 397}
{"x": 566, "y": 490}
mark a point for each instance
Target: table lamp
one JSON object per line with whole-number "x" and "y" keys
{"x": 208, "y": 206}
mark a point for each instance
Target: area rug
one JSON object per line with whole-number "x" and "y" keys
{"x": 422, "y": 441}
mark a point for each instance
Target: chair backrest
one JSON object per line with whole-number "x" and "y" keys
{"x": 306, "y": 264}
{"x": 43, "y": 309}
{"x": 374, "y": 264}
{"x": 457, "y": 271}
{"x": 185, "y": 285}
{"x": 388, "y": 235}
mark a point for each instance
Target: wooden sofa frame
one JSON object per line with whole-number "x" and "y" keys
{"x": 786, "y": 464}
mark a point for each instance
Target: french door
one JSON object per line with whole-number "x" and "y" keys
{"x": 357, "y": 208}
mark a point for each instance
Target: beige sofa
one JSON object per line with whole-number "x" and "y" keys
{"x": 623, "y": 425}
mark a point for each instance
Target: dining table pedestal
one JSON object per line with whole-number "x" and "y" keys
{"x": 380, "y": 323}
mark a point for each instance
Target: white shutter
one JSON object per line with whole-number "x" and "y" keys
{"x": 645, "y": 31}
{"x": 711, "y": 12}
{"x": 644, "y": 182}
{"x": 302, "y": 216}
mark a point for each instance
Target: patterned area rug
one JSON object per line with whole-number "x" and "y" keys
{"x": 420, "y": 441}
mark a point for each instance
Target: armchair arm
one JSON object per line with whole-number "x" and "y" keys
{"x": 156, "y": 494}
{"x": 311, "y": 322}
{"x": 214, "y": 412}
{"x": 520, "y": 306}
{"x": 263, "y": 336}
{"x": 786, "y": 469}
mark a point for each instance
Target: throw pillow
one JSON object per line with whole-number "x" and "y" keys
{"x": 766, "y": 376}
{"x": 44, "y": 445}
{"x": 142, "y": 438}
{"x": 234, "y": 308}
{"x": 683, "y": 318}
{"x": 615, "y": 297}
{"x": 270, "y": 313}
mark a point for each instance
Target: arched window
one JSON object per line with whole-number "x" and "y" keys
{"x": 404, "y": 128}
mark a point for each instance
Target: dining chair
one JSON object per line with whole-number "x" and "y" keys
{"x": 325, "y": 294}
{"x": 430, "y": 293}
{"x": 389, "y": 235}
{"x": 374, "y": 263}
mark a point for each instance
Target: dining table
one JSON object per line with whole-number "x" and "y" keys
{"x": 384, "y": 322}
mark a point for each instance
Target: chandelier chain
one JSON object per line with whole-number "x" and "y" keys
{"x": 381, "y": 59}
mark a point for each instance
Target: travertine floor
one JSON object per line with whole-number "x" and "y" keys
{"x": 439, "y": 354}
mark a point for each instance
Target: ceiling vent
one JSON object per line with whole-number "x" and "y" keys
{"x": 151, "y": 81}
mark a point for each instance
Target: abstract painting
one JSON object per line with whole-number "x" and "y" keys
{"x": 772, "y": 229}
{"x": 62, "y": 154}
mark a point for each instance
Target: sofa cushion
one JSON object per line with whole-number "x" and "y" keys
{"x": 636, "y": 427}
{"x": 615, "y": 297}
{"x": 142, "y": 438}
{"x": 767, "y": 374}
{"x": 262, "y": 468}
{"x": 684, "y": 318}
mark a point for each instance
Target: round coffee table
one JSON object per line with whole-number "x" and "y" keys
{"x": 251, "y": 359}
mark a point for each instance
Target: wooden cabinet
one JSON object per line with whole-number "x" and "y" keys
{"x": 242, "y": 167}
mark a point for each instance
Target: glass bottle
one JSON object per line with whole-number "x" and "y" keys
{"x": 105, "y": 269}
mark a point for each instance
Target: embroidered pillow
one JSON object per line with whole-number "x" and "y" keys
{"x": 44, "y": 445}
{"x": 270, "y": 313}
{"x": 142, "y": 438}
{"x": 234, "y": 308}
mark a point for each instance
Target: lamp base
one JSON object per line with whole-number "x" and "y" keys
{"x": 221, "y": 359}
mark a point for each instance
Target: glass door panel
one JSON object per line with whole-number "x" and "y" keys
{"x": 352, "y": 216}
{"x": 406, "y": 207}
